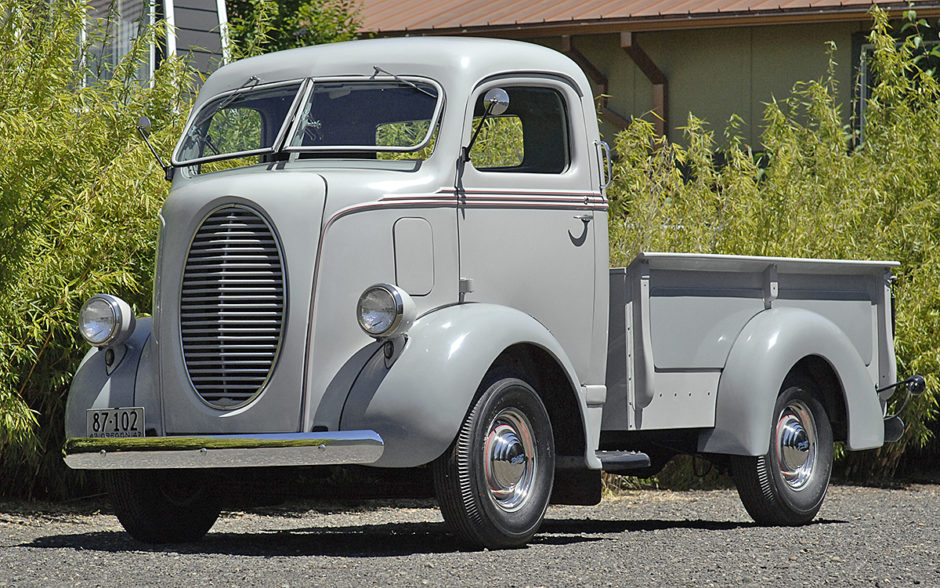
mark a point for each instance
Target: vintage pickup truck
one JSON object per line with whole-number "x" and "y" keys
{"x": 394, "y": 253}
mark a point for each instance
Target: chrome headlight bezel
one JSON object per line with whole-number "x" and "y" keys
{"x": 113, "y": 317}
{"x": 394, "y": 304}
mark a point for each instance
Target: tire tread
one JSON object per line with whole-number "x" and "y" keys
{"x": 754, "y": 476}
{"x": 453, "y": 476}
{"x": 148, "y": 516}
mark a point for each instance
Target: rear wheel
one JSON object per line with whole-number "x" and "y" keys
{"x": 160, "y": 506}
{"x": 787, "y": 485}
{"x": 494, "y": 483}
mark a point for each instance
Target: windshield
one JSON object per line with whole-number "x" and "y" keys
{"x": 366, "y": 116}
{"x": 240, "y": 123}
{"x": 339, "y": 116}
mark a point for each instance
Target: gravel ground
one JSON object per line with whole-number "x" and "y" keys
{"x": 863, "y": 537}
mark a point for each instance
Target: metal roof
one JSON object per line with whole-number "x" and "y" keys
{"x": 529, "y": 18}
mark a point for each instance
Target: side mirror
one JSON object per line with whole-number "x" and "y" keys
{"x": 143, "y": 126}
{"x": 496, "y": 101}
{"x": 916, "y": 385}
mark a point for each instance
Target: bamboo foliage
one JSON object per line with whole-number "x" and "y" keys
{"x": 813, "y": 192}
{"x": 79, "y": 195}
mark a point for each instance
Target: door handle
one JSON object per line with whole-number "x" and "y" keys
{"x": 586, "y": 217}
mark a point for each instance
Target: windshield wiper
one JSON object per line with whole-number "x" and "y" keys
{"x": 379, "y": 70}
{"x": 251, "y": 82}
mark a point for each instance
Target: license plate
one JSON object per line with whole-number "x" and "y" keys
{"x": 115, "y": 422}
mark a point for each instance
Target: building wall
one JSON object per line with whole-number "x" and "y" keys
{"x": 198, "y": 33}
{"x": 714, "y": 73}
{"x": 113, "y": 25}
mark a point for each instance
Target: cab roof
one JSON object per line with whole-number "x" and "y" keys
{"x": 458, "y": 64}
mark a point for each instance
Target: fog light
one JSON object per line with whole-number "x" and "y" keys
{"x": 385, "y": 311}
{"x": 105, "y": 320}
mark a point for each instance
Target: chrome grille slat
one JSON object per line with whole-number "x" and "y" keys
{"x": 226, "y": 296}
{"x": 229, "y": 323}
{"x": 213, "y": 262}
{"x": 203, "y": 307}
{"x": 232, "y": 306}
{"x": 232, "y": 346}
{"x": 192, "y": 331}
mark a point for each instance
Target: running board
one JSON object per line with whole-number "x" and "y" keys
{"x": 619, "y": 462}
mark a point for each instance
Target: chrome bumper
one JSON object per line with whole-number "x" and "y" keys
{"x": 224, "y": 451}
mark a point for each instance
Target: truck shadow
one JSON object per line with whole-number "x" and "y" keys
{"x": 378, "y": 540}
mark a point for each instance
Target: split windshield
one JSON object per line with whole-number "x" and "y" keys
{"x": 335, "y": 118}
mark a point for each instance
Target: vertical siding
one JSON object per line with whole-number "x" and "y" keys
{"x": 786, "y": 55}
{"x": 715, "y": 73}
{"x": 112, "y": 26}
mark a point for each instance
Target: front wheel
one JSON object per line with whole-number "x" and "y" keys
{"x": 164, "y": 506}
{"x": 787, "y": 485}
{"x": 495, "y": 481}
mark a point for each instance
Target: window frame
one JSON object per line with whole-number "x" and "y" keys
{"x": 434, "y": 121}
{"x": 863, "y": 77}
{"x": 531, "y": 81}
{"x": 278, "y": 139}
{"x": 113, "y": 34}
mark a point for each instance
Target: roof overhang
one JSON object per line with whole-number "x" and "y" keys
{"x": 832, "y": 13}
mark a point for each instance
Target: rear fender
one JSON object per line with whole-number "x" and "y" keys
{"x": 763, "y": 354}
{"x": 417, "y": 399}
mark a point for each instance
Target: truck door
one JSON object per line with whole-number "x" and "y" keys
{"x": 526, "y": 221}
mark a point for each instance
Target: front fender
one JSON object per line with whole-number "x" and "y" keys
{"x": 128, "y": 382}
{"x": 418, "y": 399}
{"x": 763, "y": 354}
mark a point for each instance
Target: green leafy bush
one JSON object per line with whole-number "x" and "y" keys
{"x": 811, "y": 194}
{"x": 260, "y": 26}
{"x": 79, "y": 195}
{"x": 80, "y": 192}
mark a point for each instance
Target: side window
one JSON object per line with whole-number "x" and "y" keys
{"x": 530, "y": 137}
{"x": 500, "y": 144}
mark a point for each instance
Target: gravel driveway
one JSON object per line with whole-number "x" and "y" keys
{"x": 863, "y": 537}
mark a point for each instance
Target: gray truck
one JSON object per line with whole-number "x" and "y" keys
{"x": 394, "y": 254}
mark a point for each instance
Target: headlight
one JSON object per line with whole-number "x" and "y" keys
{"x": 105, "y": 320}
{"x": 385, "y": 310}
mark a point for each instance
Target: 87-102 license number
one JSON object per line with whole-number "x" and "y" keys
{"x": 115, "y": 422}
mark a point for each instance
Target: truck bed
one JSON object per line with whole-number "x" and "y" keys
{"x": 674, "y": 318}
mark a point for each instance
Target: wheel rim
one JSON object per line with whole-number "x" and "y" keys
{"x": 796, "y": 445}
{"x": 509, "y": 459}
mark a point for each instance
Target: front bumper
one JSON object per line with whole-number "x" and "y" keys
{"x": 224, "y": 451}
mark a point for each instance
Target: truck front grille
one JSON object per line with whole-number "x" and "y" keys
{"x": 232, "y": 306}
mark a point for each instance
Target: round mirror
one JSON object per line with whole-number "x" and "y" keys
{"x": 143, "y": 124}
{"x": 496, "y": 101}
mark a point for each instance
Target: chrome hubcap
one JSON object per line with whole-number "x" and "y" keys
{"x": 795, "y": 440}
{"x": 509, "y": 459}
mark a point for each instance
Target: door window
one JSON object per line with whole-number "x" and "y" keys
{"x": 530, "y": 137}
